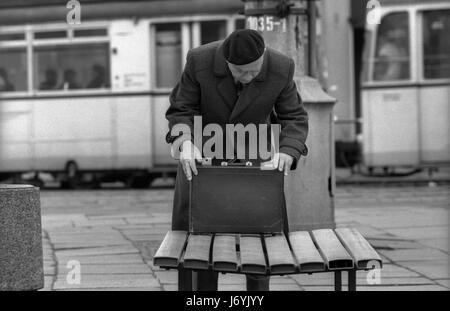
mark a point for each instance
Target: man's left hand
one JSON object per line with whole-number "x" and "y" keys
{"x": 282, "y": 161}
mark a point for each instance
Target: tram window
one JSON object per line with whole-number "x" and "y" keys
{"x": 12, "y": 36}
{"x": 239, "y": 23}
{"x": 436, "y": 44}
{"x": 90, "y": 33}
{"x": 168, "y": 54}
{"x": 50, "y": 34}
{"x": 392, "y": 57}
{"x": 13, "y": 73}
{"x": 68, "y": 67}
{"x": 213, "y": 31}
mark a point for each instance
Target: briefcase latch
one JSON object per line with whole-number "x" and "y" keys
{"x": 207, "y": 161}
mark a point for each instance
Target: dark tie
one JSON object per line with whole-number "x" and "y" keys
{"x": 239, "y": 88}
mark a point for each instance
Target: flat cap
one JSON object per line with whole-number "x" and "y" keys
{"x": 243, "y": 46}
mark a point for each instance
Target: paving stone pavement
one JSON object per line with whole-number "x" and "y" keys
{"x": 113, "y": 235}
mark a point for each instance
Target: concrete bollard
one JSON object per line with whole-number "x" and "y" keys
{"x": 21, "y": 258}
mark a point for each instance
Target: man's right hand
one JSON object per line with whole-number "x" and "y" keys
{"x": 188, "y": 155}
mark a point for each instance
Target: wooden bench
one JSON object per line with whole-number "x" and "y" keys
{"x": 323, "y": 250}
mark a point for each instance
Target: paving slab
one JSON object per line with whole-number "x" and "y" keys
{"x": 444, "y": 282}
{"x": 420, "y": 288}
{"x": 109, "y": 281}
{"x": 167, "y": 277}
{"x": 114, "y": 289}
{"x": 90, "y": 243}
{"x": 425, "y": 254}
{"x": 170, "y": 287}
{"x": 285, "y": 287}
{"x": 130, "y": 268}
{"x": 442, "y": 244}
{"x": 231, "y": 278}
{"x": 231, "y": 287}
{"x": 122, "y": 215}
{"x": 103, "y": 250}
{"x": 440, "y": 232}
{"x": 432, "y": 270}
{"x": 102, "y": 259}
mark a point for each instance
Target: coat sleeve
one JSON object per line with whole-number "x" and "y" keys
{"x": 293, "y": 119}
{"x": 184, "y": 99}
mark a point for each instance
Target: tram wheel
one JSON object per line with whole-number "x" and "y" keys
{"x": 72, "y": 173}
{"x": 140, "y": 181}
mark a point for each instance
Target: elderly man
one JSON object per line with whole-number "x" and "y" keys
{"x": 235, "y": 81}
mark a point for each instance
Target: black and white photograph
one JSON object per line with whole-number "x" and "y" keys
{"x": 212, "y": 147}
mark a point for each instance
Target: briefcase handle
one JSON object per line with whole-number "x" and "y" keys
{"x": 233, "y": 163}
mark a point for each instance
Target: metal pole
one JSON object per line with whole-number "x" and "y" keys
{"x": 184, "y": 280}
{"x": 352, "y": 280}
{"x": 338, "y": 281}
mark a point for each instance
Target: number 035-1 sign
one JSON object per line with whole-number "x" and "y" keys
{"x": 266, "y": 23}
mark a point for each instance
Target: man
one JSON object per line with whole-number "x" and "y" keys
{"x": 5, "y": 84}
{"x": 51, "y": 80}
{"x": 237, "y": 81}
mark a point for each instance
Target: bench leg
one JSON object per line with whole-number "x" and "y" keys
{"x": 184, "y": 280}
{"x": 352, "y": 280}
{"x": 337, "y": 281}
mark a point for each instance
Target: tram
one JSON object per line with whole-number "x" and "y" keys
{"x": 405, "y": 90}
{"x": 86, "y": 102}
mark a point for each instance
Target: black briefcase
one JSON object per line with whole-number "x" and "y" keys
{"x": 237, "y": 199}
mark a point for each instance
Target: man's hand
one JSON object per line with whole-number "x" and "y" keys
{"x": 282, "y": 161}
{"x": 189, "y": 154}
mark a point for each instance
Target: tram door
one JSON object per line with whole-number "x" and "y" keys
{"x": 435, "y": 85}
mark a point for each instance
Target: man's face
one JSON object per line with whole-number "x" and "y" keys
{"x": 246, "y": 73}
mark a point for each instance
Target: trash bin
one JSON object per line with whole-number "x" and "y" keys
{"x": 21, "y": 258}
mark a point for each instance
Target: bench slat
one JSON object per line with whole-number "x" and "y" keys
{"x": 169, "y": 253}
{"x": 308, "y": 257}
{"x": 279, "y": 255}
{"x": 334, "y": 253}
{"x": 224, "y": 253}
{"x": 252, "y": 255}
{"x": 196, "y": 255}
{"x": 358, "y": 247}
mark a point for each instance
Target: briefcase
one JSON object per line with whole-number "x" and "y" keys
{"x": 237, "y": 199}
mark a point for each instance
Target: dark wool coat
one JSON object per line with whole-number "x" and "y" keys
{"x": 207, "y": 88}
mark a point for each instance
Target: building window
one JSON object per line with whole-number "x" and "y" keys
{"x": 70, "y": 67}
{"x": 13, "y": 70}
{"x": 213, "y": 31}
{"x": 168, "y": 54}
{"x": 392, "y": 56}
{"x": 436, "y": 44}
